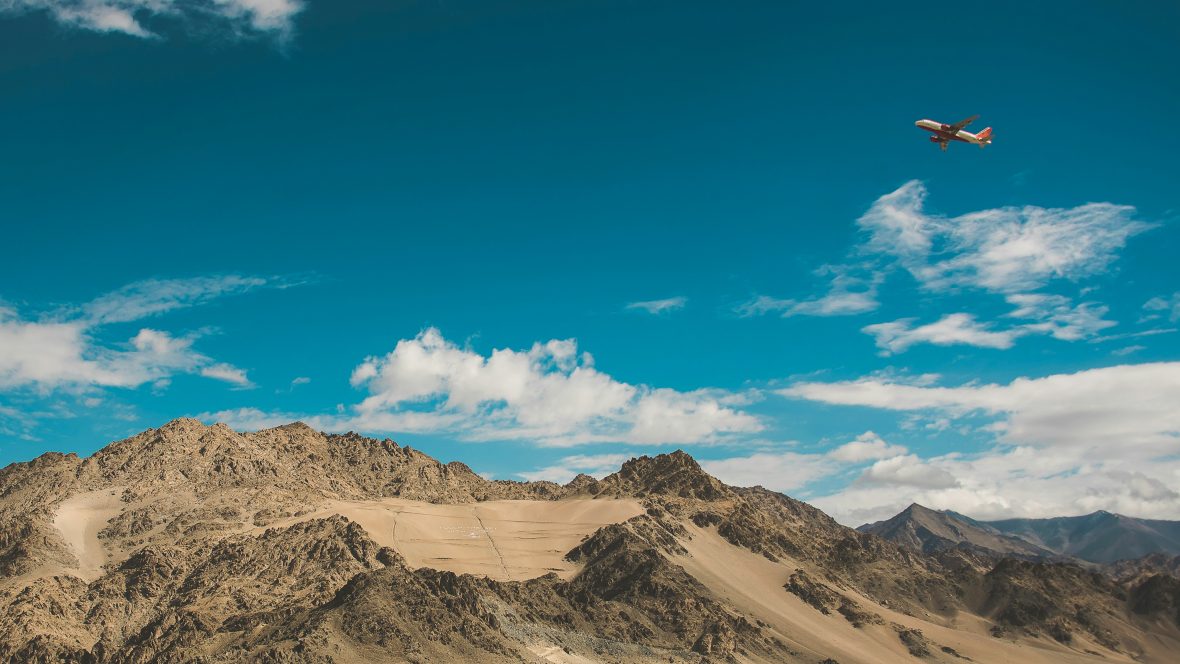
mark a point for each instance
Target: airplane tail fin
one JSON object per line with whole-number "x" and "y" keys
{"x": 984, "y": 136}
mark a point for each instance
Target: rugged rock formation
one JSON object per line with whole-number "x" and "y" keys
{"x": 194, "y": 543}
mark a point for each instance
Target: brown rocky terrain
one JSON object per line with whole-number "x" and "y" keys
{"x": 195, "y": 543}
{"x": 1132, "y": 570}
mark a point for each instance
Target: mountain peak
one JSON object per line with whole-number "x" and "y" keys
{"x": 184, "y": 424}
{"x": 923, "y": 529}
{"x": 672, "y": 474}
{"x": 297, "y": 425}
{"x": 916, "y": 508}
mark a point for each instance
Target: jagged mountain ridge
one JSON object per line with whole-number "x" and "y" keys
{"x": 1101, "y": 537}
{"x": 215, "y": 545}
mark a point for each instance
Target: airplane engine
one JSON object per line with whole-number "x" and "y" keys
{"x": 935, "y": 139}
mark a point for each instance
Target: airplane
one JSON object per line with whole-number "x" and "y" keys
{"x": 944, "y": 133}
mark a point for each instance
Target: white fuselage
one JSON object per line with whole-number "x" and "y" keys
{"x": 937, "y": 129}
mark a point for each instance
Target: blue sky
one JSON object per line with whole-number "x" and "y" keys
{"x": 541, "y": 237}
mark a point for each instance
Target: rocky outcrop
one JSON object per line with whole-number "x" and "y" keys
{"x": 675, "y": 475}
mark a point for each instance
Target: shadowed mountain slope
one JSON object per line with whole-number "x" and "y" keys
{"x": 929, "y": 531}
{"x": 1100, "y": 537}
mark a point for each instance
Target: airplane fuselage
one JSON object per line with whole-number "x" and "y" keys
{"x": 941, "y": 132}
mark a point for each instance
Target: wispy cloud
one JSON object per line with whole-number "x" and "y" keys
{"x": 61, "y": 350}
{"x": 851, "y": 290}
{"x": 152, "y": 297}
{"x": 952, "y": 329}
{"x": 1166, "y": 306}
{"x": 1053, "y": 315}
{"x": 1134, "y": 335}
{"x": 1005, "y": 250}
{"x": 136, "y": 17}
{"x": 659, "y": 306}
{"x": 1057, "y": 316}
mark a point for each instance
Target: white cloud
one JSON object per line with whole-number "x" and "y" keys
{"x": 567, "y": 468}
{"x": 1020, "y": 482}
{"x": 951, "y": 329}
{"x": 47, "y": 356}
{"x": 1053, "y": 315}
{"x": 228, "y": 373}
{"x": 151, "y": 297}
{"x": 789, "y": 470}
{"x": 1011, "y": 251}
{"x": 908, "y": 470}
{"x": 777, "y": 471}
{"x": 1058, "y": 317}
{"x": 1134, "y": 335}
{"x": 659, "y": 306}
{"x": 300, "y": 380}
{"x": 867, "y": 447}
{"x": 62, "y": 351}
{"x": 1005, "y": 481}
{"x": 851, "y": 291}
{"x": 763, "y": 304}
{"x": 242, "y": 17}
{"x": 1004, "y": 250}
{"x": 1168, "y": 306}
{"x": 550, "y": 394}
{"x": 1113, "y": 410}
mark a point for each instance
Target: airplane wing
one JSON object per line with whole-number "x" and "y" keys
{"x": 962, "y": 123}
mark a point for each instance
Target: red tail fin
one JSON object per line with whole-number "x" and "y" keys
{"x": 985, "y": 135}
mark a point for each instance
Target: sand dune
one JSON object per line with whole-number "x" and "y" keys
{"x": 79, "y": 519}
{"x": 506, "y": 540}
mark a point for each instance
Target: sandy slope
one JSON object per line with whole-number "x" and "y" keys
{"x": 502, "y": 540}
{"x": 754, "y": 585}
{"x": 79, "y": 520}
{"x": 555, "y": 655}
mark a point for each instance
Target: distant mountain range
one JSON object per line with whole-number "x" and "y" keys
{"x": 1101, "y": 537}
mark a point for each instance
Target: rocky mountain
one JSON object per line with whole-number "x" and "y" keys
{"x": 930, "y": 531}
{"x": 1132, "y": 569}
{"x": 195, "y": 543}
{"x": 1100, "y": 537}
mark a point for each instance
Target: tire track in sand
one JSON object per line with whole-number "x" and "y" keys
{"x": 492, "y": 541}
